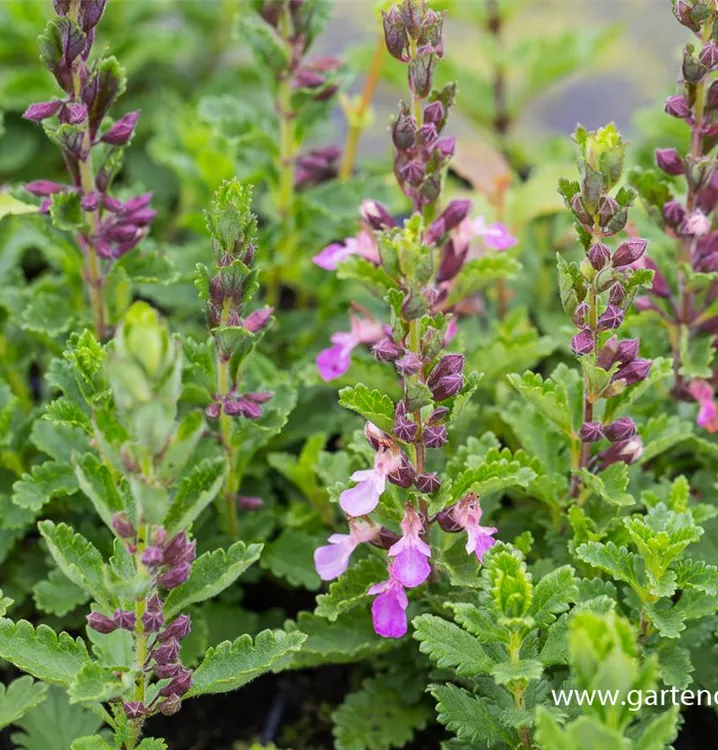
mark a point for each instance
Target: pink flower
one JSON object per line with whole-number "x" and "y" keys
{"x": 707, "y": 417}
{"x": 364, "y": 244}
{"x": 494, "y": 236}
{"x": 411, "y": 564}
{"x": 333, "y": 362}
{"x": 467, "y": 513}
{"x": 332, "y": 559}
{"x": 388, "y": 610}
{"x": 364, "y": 497}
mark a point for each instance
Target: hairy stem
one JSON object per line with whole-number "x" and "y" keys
{"x": 356, "y": 126}
{"x": 140, "y": 637}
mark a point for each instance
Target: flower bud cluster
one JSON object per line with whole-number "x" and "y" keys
{"x": 77, "y": 123}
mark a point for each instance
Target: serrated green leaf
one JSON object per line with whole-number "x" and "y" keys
{"x": 96, "y": 742}
{"x": 469, "y": 717}
{"x": 48, "y": 314}
{"x": 45, "y": 481}
{"x": 376, "y": 718}
{"x": 20, "y": 695}
{"x": 10, "y": 206}
{"x": 374, "y": 406}
{"x": 78, "y": 559}
{"x": 610, "y": 485}
{"x": 195, "y": 492}
{"x": 451, "y": 647}
{"x": 42, "y": 653}
{"x": 480, "y": 273}
{"x": 290, "y": 556}
{"x": 58, "y": 595}
{"x": 211, "y": 574}
{"x": 95, "y": 683}
{"x": 524, "y": 669}
{"x": 96, "y": 482}
{"x": 553, "y": 594}
{"x": 616, "y": 561}
{"x": 548, "y": 398}
{"x": 231, "y": 665}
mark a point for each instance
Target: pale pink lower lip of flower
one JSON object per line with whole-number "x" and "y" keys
{"x": 333, "y": 362}
{"x": 332, "y": 255}
{"x": 497, "y": 237}
{"x": 388, "y": 610}
{"x": 332, "y": 559}
{"x": 363, "y": 498}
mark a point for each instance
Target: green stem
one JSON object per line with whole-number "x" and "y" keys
{"x": 419, "y": 450}
{"x": 140, "y": 637}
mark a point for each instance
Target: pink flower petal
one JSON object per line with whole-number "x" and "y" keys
{"x": 388, "y": 612}
{"x": 332, "y": 255}
{"x": 497, "y": 237}
{"x": 333, "y": 362}
{"x": 332, "y": 560}
{"x": 360, "y": 500}
{"x": 411, "y": 567}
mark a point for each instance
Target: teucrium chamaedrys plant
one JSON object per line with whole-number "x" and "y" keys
{"x": 682, "y": 199}
{"x": 106, "y": 228}
{"x": 146, "y": 490}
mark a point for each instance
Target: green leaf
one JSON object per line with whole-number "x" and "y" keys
{"x": 376, "y": 718}
{"x": 95, "y": 480}
{"x": 5, "y": 603}
{"x": 696, "y": 355}
{"x": 96, "y": 742}
{"x": 78, "y": 559}
{"x": 196, "y": 491}
{"x": 58, "y": 595}
{"x": 42, "y": 653}
{"x": 45, "y": 481}
{"x": 548, "y": 398}
{"x": 263, "y": 40}
{"x": 20, "y": 695}
{"x": 350, "y": 589}
{"x": 48, "y": 314}
{"x": 211, "y": 574}
{"x": 522, "y": 670}
{"x": 659, "y": 732}
{"x": 10, "y": 206}
{"x": 66, "y": 211}
{"x": 231, "y": 665}
{"x": 610, "y": 485}
{"x": 616, "y": 561}
{"x": 95, "y": 683}
{"x": 467, "y": 716}
{"x": 553, "y": 594}
{"x": 374, "y": 406}
{"x": 290, "y": 556}
{"x": 152, "y": 744}
{"x": 451, "y": 647}
{"x": 499, "y": 472}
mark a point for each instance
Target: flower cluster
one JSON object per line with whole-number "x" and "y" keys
{"x": 422, "y": 324}
{"x": 91, "y": 147}
{"x": 682, "y": 201}
{"x": 597, "y": 294}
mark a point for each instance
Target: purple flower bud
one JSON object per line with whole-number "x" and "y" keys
{"x": 43, "y": 188}
{"x": 607, "y": 355}
{"x": 409, "y": 364}
{"x": 405, "y": 429}
{"x": 152, "y": 621}
{"x": 404, "y": 131}
{"x": 616, "y": 294}
{"x": 451, "y": 364}
{"x": 633, "y": 372}
{"x": 446, "y": 521}
{"x": 421, "y": 71}
{"x": 152, "y": 557}
{"x": 124, "y": 619}
{"x": 455, "y": 213}
{"x": 428, "y": 483}
{"x": 175, "y": 576}
{"x": 599, "y": 255}
{"x": 258, "y": 320}
{"x": 580, "y": 315}
{"x": 395, "y": 34}
{"x": 170, "y": 706}
{"x": 582, "y": 342}
{"x": 102, "y": 624}
{"x": 404, "y": 475}
{"x": 628, "y": 451}
{"x": 90, "y": 201}
{"x": 591, "y": 432}
{"x": 386, "y": 350}
{"x": 167, "y": 653}
{"x": 712, "y": 99}
{"x": 134, "y": 710}
{"x": 213, "y": 410}
{"x": 607, "y": 209}
{"x": 154, "y": 604}
{"x": 385, "y": 539}
{"x": 674, "y": 213}
{"x": 677, "y": 106}
{"x": 669, "y": 161}
{"x": 159, "y": 536}
{"x": 683, "y": 11}
{"x": 627, "y": 351}
{"x": 412, "y": 173}
{"x": 620, "y": 430}
{"x": 434, "y": 113}
{"x": 629, "y": 252}
{"x": 178, "y": 629}
{"x": 166, "y": 671}
{"x": 249, "y": 503}
{"x": 709, "y": 55}
{"x": 446, "y": 147}
{"x": 180, "y": 684}
{"x": 693, "y": 69}
{"x": 611, "y": 318}
{"x": 435, "y": 436}
{"x": 178, "y": 550}
{"x": 447, "y": 387}
{"x": 43, "y": 110}
{"x": 122, "y": 526}
{"x": 376, "y": 216}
